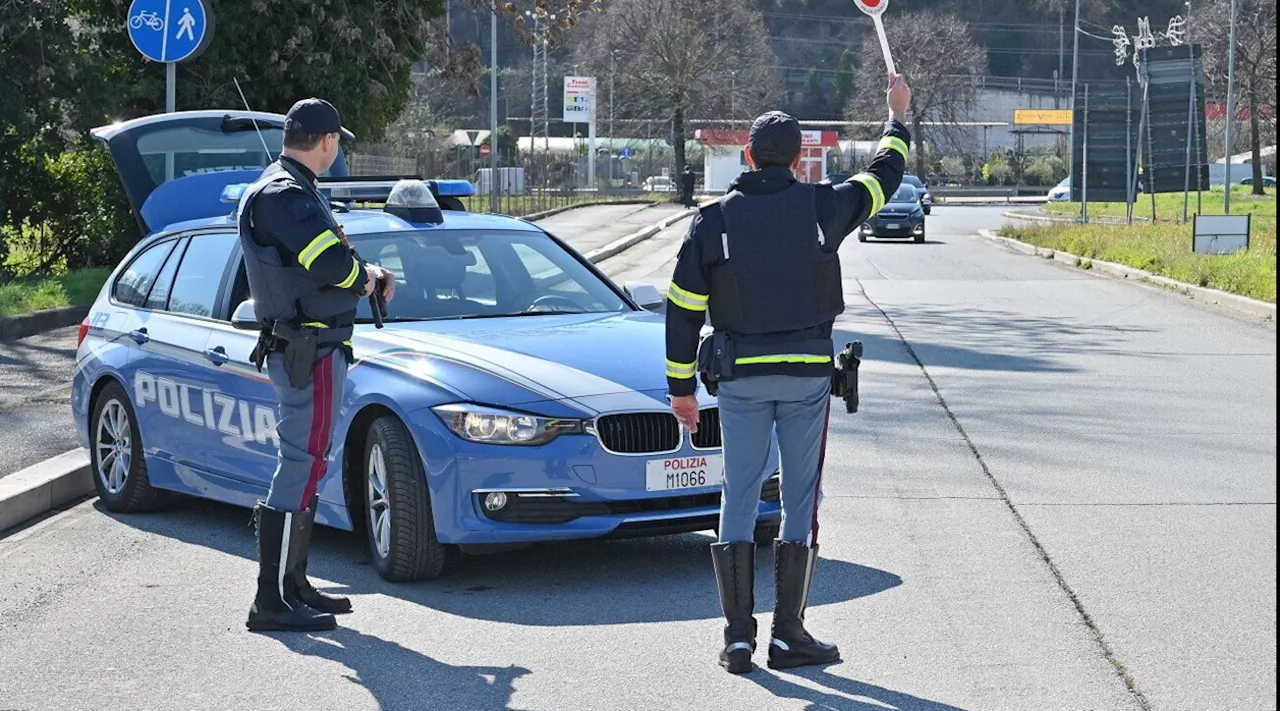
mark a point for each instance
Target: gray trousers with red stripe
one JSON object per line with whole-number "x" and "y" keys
{"x": 305, "y": 427}
{"x": 750, "y": 410}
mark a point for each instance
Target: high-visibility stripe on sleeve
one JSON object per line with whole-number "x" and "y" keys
{"x": 350, "y": 281}
{"x": 782, "y": 358}
{"x": 687, "y": 299}
{"x": 681, "y": 371}
{"x": 896, "y": 144}
{"x": 872, "y": 184}
{"x": 312, "y": 251}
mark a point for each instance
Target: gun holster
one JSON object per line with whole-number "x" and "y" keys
{"x": 844, "y": 379}
{"x": 715, "y": 360}
{"x": 299, "y": 345}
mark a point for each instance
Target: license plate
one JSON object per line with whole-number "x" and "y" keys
{"x": 678, "y": 473}
{"x": 893, "y": 226}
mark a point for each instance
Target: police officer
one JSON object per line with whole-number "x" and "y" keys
{"x": 305, "y": 281}
{"x": 763, "y": 261}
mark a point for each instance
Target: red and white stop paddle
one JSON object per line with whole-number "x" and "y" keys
{"x": 876, "y": 8}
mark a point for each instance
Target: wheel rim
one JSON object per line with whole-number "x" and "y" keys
{"x": 379, "y": 502}
{"x": 113, "y": 445}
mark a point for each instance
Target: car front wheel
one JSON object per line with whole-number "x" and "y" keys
{"x": 398, "y": 522}
{"x": 119, "y": 469}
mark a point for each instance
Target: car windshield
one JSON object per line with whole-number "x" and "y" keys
{"x": 468, "y": 274}
{"x": 904, "y": 193}
{"x": 912, "y": 180}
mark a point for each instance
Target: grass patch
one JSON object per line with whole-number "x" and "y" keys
{"x": 35, "y": 294}
{"x": 1169, "y": 206}
{"x": 1165, "y": 249}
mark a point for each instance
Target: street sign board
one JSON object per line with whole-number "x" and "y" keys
{"x": 484, "y": 150}
{"x": 579, "y": 99}
{"x": 1176, "y": 121}
{"x": 1052, "y": 117}
{"x": 1112, "y": 111}
{"x": 169, "y": 30}
{"x": 1220, "y": 234}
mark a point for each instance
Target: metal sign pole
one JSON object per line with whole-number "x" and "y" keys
{"x": 494, "y": 182}
{"x": 1191, "y": 118}
{"x": 1084, "y": 161}
{"x": 1128, "y": 150}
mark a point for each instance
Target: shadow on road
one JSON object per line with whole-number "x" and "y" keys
{"x": 981, "y": 339}
{"x": 561, "y": 584}
{"x": 401, "y": 678}
{"x": 857, "y": 695}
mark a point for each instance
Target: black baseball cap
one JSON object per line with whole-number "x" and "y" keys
{"x": 312, "y": 116}
{"x": 775, "y": 138}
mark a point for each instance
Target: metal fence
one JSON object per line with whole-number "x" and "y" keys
{"x": 526, "y": 183}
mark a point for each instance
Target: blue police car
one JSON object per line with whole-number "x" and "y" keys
{"x": 515, "y": 394}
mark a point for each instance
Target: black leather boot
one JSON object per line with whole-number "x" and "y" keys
{"x": 276, "y": 606}
{"x": 792, "y": 645}
{"x": 735, "y": 565}
{"x": 315, "y": 599}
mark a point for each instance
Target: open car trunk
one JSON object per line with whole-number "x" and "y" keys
{"x": 175, "y": 166}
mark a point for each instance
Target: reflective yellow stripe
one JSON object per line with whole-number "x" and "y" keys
{"x": 784, "y": 358}
{"x": 351, "y": 278}
{"x": 347, "y": 343}
{"x": 687, "y": 299}
{"x": 872, "y": 184}
{"x": 681, "y": 371}
{"x": 896, "y": 144}
{"x": 318, "y": 245}
{"x": 316, "y": 324}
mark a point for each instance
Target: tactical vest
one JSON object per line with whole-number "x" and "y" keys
{"x": 280, "y": 287}
{"x": 776, "y": 277}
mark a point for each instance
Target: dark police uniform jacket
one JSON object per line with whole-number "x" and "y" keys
{"x": 763, "y": 261}
{"x": 299, "y": 270}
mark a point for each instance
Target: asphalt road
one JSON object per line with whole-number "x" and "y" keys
{"x": 1059, "y": 494}
{"x": 35, "y": 372}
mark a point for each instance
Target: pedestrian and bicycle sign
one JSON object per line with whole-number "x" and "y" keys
{"x": 169, "y": 30}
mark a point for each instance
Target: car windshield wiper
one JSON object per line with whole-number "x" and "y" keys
{"x": 393, "y": 319}
{"x": 517, "y": 314}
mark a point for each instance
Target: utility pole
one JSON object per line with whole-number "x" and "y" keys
{"x": 613, "y": 55}
{"x": 493, "y": 109}
{"x": 1231, "y": 107}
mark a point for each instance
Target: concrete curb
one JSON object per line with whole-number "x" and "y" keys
{"x": 24, "y": 325}
{"x": 1066, "y": 220}
{"x": 613, "y": 248}
{"x": 43, "y": 487}
{"x": 1242, "y": 304}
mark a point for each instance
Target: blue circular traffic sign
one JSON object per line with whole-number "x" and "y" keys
{"x": 168, "y": 30}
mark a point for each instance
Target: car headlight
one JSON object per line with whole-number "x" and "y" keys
{"x": 488, "y": 425}
{"x": 927, "y": 197}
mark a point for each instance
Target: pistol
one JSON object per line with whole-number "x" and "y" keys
{"x": 847, "y": 362}
{"x": 377, "y": 304}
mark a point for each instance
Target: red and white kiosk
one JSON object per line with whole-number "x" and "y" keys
{"x": 724, "y": 159}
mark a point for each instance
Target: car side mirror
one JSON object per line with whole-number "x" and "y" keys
{"x": 646, "y": 295}
{"x": 245, "y": 317}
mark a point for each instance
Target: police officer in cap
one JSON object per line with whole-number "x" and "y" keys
{"x": 305, "y": 281}
{"x": 763, "y": 261}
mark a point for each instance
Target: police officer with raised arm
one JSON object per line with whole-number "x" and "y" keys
{"x": 763, "y": 261}
{"x": 305, "y": 281}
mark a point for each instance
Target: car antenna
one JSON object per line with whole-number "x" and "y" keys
{"x": 255, "y": 121}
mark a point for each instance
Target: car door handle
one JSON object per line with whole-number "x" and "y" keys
{"x": 140, "y": 336}
{"x": 217, "y": 356}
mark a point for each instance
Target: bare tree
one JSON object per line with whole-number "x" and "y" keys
{"x": 1255, "y": 64}
{"x": 681, "y": 59}
{"x": 929, "y": 49}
